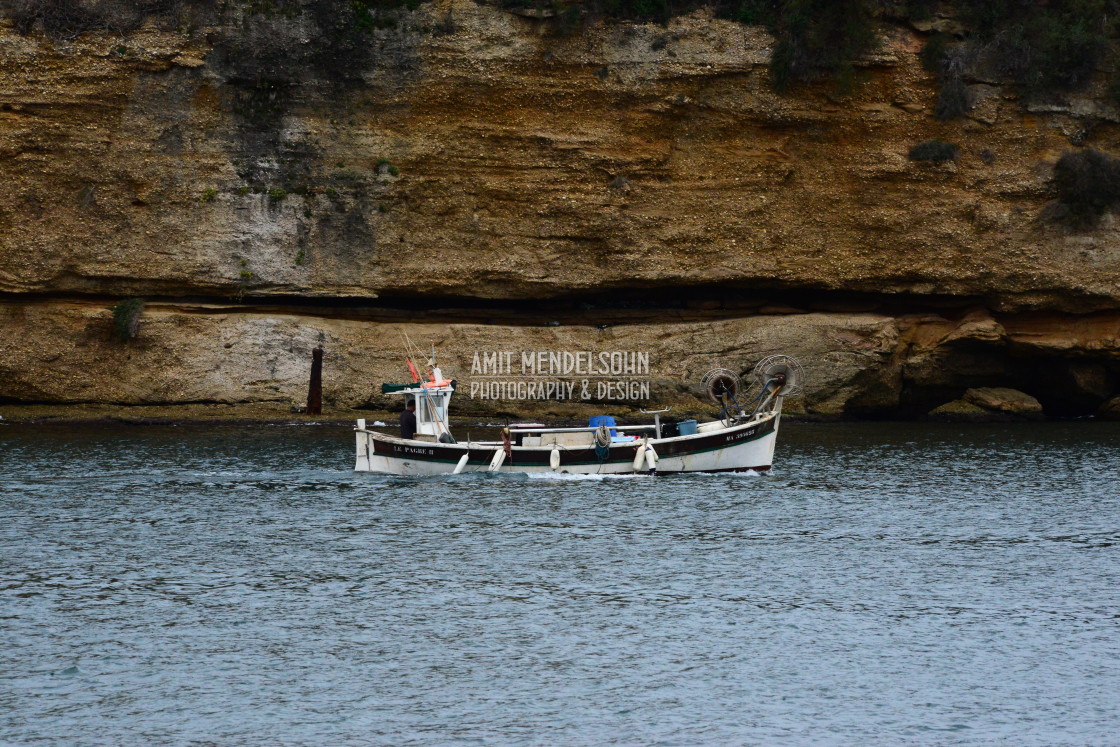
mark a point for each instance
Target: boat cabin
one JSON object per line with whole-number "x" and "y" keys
{"x": 433, "y": 398}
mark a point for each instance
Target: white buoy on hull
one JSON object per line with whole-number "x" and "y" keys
{"x": 554, "y": 460}
{"x": 496, "y": 462}
{"x": 640, "y": 457}
{"x": 651, "y": 458}
{"x": 462, "y": 464}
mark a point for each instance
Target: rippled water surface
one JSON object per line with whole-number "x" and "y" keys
{"x": 887, "y": 583}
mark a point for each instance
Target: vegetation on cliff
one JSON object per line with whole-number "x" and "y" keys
{"x": 1087, "y": 183}
{"x": 67, "y": 19}
{"x": 264, "y": 44}
{"x": 934, "y": 151}
{"x": 1041, "y": 46}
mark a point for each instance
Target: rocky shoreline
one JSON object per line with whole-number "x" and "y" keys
{"x": 959, "y": 411}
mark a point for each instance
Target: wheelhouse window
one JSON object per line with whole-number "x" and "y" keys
{"x": 431, "y": 409}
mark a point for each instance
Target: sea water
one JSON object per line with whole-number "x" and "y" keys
{"x": 887, "y": 583}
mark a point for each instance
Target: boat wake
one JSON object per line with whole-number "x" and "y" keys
{"x": 746, "y": 473}
{"x": 570, "y": 476}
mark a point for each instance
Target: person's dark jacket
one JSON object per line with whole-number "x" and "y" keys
{"x": 408, "y": 424}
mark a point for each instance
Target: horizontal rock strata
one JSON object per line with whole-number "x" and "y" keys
{"x": 858, "y": 364}
{"x": 480, "y": 175}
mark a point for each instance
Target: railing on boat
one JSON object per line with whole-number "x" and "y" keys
{"x": 583, "y": 429}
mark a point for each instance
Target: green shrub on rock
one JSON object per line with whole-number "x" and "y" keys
{"x": 934, "y": 51}
{"x": 934, "y": 151}
{"x": 1043, "y": 46}
{"x": 1087, "y": 183}
{"x": 819, "y": 39}
{"x": 953, "y": 98}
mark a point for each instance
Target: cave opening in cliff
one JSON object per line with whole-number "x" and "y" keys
{"x": 1065, "y": 387}
{"x": 1070, "y": 388}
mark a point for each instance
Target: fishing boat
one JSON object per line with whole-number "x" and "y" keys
{"x": 740, "y": 438}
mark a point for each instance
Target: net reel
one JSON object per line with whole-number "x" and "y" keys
{"x": 776, "y": 376}
{"x": 726, "y": 389}
{"x": 782, "y": 370}
{"x": 720, "y": 383}
{"x": 773, "y": 377}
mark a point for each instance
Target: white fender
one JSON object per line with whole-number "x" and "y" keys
{"x": 640, "y": 456}
{"x": 462, "y": 463}
{"x": 651, "y": 459}
{"x": 554, "y": 459}
{"x": 496, "y": 462}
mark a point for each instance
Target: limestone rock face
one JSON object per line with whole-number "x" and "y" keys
{"x": 66, "y": 354}
{"x": 1001, "y": 399}
{"x": 856, "y": 363}
{"x": 643, "y": 180}
{"x": 478, "y": 155}
{"x": 961, "y": 411}
{"x": 987, "y": 404}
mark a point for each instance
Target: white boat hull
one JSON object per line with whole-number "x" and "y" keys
{"x": 742, "y": 447}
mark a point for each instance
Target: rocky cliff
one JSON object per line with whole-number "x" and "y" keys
{"x": 476, "y": 176}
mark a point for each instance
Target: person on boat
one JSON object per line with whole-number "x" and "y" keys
{"x": 408, "y": 420}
